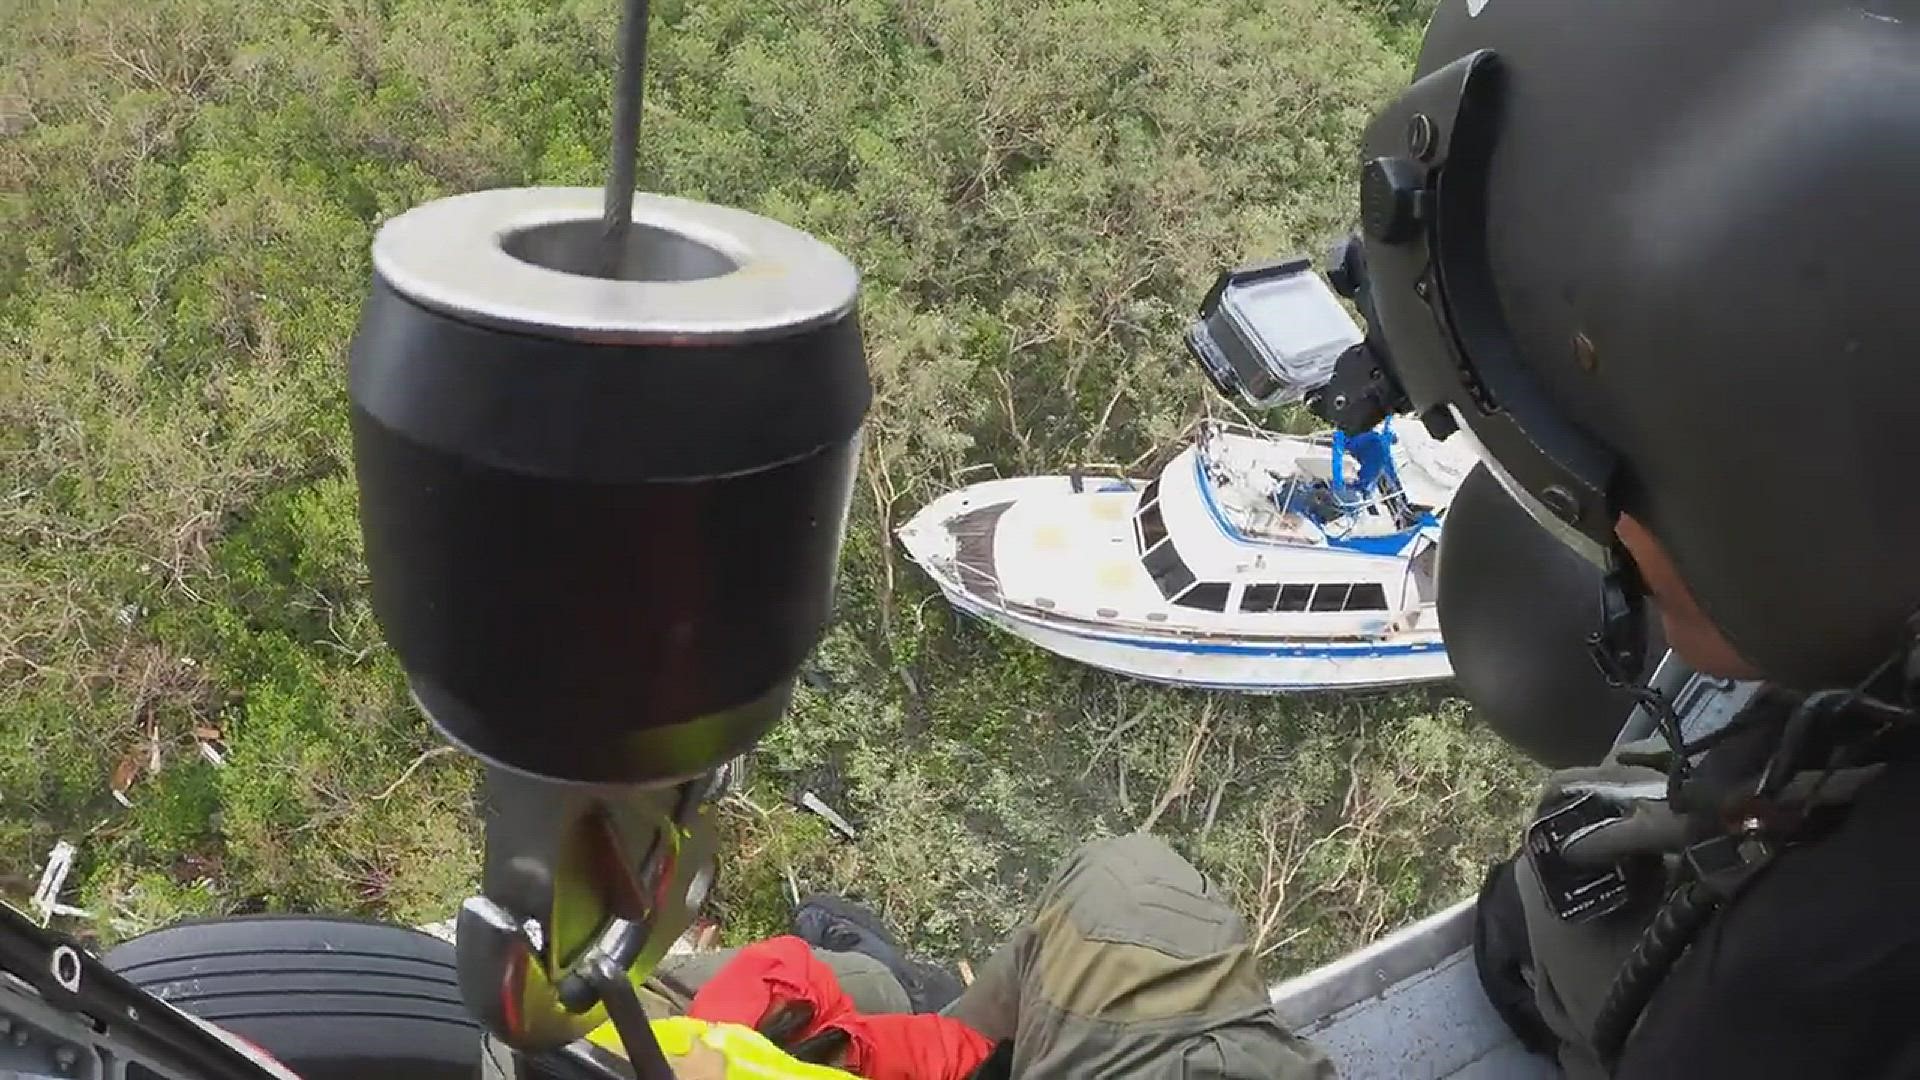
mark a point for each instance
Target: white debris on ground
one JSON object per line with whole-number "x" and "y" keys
{"x": 442, "y": 929}
{"x": 46, "y": 896}
{"x": 814, "y": 804}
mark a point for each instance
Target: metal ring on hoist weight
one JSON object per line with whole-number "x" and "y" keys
{"x": 525, "y": 259}
{"x": 602, "y": 513}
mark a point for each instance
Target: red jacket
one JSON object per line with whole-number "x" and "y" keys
{"x": 894, "y": 1046}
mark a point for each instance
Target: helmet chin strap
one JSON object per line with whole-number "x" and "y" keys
{"x": 1618, "y": 647}
{"x": 1910, "y": 671}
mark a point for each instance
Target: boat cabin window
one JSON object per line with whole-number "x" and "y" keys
{"x": 1168, "y": 570}
{"x": 1329, "y": 597}
{"x": 1424, "y": 565}
{"x": 1151, "y": 525}
{"x": 1371, "y": 596}
{"x": 1259, "y": 597}
{"x": 1157, "y": 553}
{"x": 1336, "y": 596}
{"x": 1207, "y": 596}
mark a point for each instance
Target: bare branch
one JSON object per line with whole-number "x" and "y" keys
{"x": 407, "y": 773}
{"x": 1182, "y": 780}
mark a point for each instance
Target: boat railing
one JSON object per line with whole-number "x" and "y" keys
{"x": 1203, "y": 436}
{"x": 1101, "y": 470}
{"x": 1206, "y": 424}
{"x": 1392, "y": 503}
{"x": 1353, "y": 507}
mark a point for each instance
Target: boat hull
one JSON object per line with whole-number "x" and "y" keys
{"x": 1246, "y": 667}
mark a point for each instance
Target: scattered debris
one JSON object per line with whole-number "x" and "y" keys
{"x": 729, "y": 779}
{"x": 212, "y": 745}
{"x": 811, "y": 802}
{"x": 442, "y": 929}
{"x": 741, "y": 799}
{"x": 46, "y": 896}
{"x": 143, "y": 760}
{"x": 124, "y": 774}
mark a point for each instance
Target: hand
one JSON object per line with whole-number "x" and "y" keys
{"x": 1646, "y": 824}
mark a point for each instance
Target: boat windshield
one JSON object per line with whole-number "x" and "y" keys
{"x": 1161, "y": 559}
{"x": 1168, "y": 570}
{"x": 1148, "y": 522}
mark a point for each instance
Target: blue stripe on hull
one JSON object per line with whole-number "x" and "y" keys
{"x": 1267, "y": 687}
{"x": 1320, "y": 652}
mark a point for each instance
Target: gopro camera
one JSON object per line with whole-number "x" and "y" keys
{"x": 1272, "y": 333}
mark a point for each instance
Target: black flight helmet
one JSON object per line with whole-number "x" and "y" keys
{"x": 1519, "y": 605}
{"x": 1658, "y": 259}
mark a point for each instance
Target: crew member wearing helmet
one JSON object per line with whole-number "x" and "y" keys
{"x": 1656, "y": 258}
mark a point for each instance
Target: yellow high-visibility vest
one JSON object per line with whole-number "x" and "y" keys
{"x": 698, "y": 1050}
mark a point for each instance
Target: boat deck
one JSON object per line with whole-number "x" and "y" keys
{"x": 973, "y": 534}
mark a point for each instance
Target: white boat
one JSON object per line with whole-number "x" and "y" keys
{"x": 1249, "y": 563}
